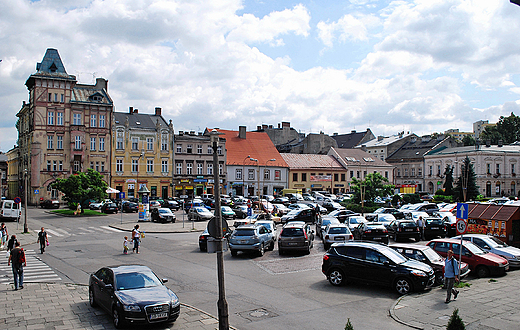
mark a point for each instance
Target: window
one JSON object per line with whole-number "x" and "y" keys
{"x": 405, "y": 172}
{"x": 55, "y": 97}
{"x": 59, "y": 142}
{"x": 189, "y": 168}
{"x": 488, "y": 168}
{"x": 189, "y": 148}
{"x": 93, "y": 120}
{"x": 419, "y": 171}
{"x": 135, "y": 165}
{"x": 430, "y": 169}
{"x": 412, "y": 171}
{"x": 357, "y": 174}
{"x": 238, "y": 174}
{"x": 220, "y": 169}
{"x": 50, "y": 141}
{"x": 50, "y": 118}
{"x": 277, "y": 174}
{"x": 119, "y": 139}
{"x": 59, "y": 118}
{"x": 102, "y": 121}
{"x": 351, "y": 174}
{"x": 135, "y": 143}
{"x": 77, "y": 142}
{"x": 178, "y": 168}
{"x": 439, "y": 170}
{"x": 76, "y": 119}
{"x": 295, "y": 176}
{"x": 164, "y": 142}
{"x": 49, "y": 165}
{"x": 92, "y": 143}
{"x": 149, "y": 165}
{"x": 199, "y": 148}
{"x": 210, "y": 150}
{"x": 336, "y": 177}
{"x": 251, "y": 174}
{"x": 101, "y": 144}
{"x": 97, "y": 166}
{"x": 164, "y": 166}
{"x": 76, "y": 166}
{"x": 343, "y": 177}
{"x": 219, "y": 150}
{"x": 267, "y": 174}
{"x": 200, "y": 169}
{"x": 210, "y": 168}
{"x": 50, "y": 97}
{"x": 513, "y": 169}
{"x": 54, "y": 165}
{"x": 102, "y": 166}
{"x": 304, "y": 177}
{"x": 386, "y": 174}
{"x": 498, "y": 168}
{"x": 62, "y": 98}
{"x": 149, "y": 143}
{"x": 119, "y": 165}
{"x": 179, "y": 148}
{"x": 60, "y": 165}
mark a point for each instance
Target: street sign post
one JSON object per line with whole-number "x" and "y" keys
{"x": 461, "y": 226}
{"x": 462, "y": 211}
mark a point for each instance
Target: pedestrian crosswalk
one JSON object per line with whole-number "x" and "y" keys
{"x": 64, "y": 232}
{"x": 35, "y": 271}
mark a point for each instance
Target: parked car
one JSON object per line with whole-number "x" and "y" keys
{"x": 496, "y": 246}
{"x": 269, "y": 224}
{"x": 50, "y": 204}
{"x": 306, "y": 215}
{"x": 162, "y": 214}
{"x": 251, "y": 238}
{"x": 384, "y": 218}
{"x": 172, "y": 205}
{"x": 371, "y": 231}
{"x": 375, "y": 263}
{"x": 226, "y": 202}
{"x": 481, "y": 262}
{"x": 240, "y": 211}
{"x": 130, "y": 207}
{"x": 428, "y": 256}
{"x": 281, "y": 209}
{"x": 203, "y": 240}
{"x": 95, "y": 205}
{"x": 354, "y": 221}
{"x": 429, "y": 208}
{"x": 403, "y": 229}
{"x": 331, "y": 206}
{"x": 155, "y": 204}
{"x": 336, "y": 233}
{"x": 195, "y": 203}
{"x": 109, "y": 208}
{"x": 253, "y": 218}
{"x": 133, "y": 294}
{"x": 281, "y": 200}
{"x": 10, "y": 210}
{"x": 323, "y": 222}
{"x": 450, "y": 222}
{"x": 434, "y": 227}
{"x": 295, "y": 236}
{"x": 227, "y": 212}
{"x": 199, "y": 213}
{"x": 385, "y": 210}
{"x": 342, "y": 215}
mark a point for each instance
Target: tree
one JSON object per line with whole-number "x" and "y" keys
{"x": 82, "y": 186}
{"x": 448, "y": 181}
{"x": 349, "y": 326}
{"x": 455, "y": 322}
{"x": 466, "y": 188}
{"x": 373, "y": 186}
{"x": 507, "y": 130}
{"x": 468, "y": 140}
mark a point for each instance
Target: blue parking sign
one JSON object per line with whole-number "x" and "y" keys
{"x": 122, "y": 195}
{"x": 462, "y": 211}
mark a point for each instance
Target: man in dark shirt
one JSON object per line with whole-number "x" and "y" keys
{"x": 14, "y": 257}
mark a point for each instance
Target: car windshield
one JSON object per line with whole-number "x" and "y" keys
{"x": 470, "y": 246}
{"x": 325, "y": 222}
{"x": 292, "y": 232}
{"x": 356, "y": 220}
{"x": 335, "y": 213}
{"x": 338, "y": 230}
{"x": 200, "y": 209}
{"x": 434, "y": 222}
{"x": 225, "y": 208}
{"x": 267, "y": 225}
{"x": 244, "y": 232}
{"x": 393, "y": 255}
{"x": 293, "y": 212}
{"x": 495, "y": 242}
{"x": 164, "y": 211}
{"x": 137, "y": 280}
{"x": 408, "y": 224}
{"x": 431, "y": 254}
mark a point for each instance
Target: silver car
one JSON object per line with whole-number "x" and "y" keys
{"x": 336, "y": 233}
{"x": 496, "y": 246}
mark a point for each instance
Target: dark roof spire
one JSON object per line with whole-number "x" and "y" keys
{"x": 51, "y": 62}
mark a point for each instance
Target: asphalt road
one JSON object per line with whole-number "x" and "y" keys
{"x": 269, "y": 292}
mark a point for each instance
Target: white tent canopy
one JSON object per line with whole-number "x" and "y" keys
{"x": 112, "y": 191}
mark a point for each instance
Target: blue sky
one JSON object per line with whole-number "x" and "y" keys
{"x": 334, "y": 66}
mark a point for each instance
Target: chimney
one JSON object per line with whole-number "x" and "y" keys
{"x": 264, "y": 126}
{"x": 192, "y": 132}
{"x": 258, "y": 128}
{"x": 286, "y": 124}
{"x": 136, "y": 110}
{"x": 157, "y": 111}
{"x": 199, "y": 133}
{"x": 278, "y": 125}
{"x": 130, "y": 110}
{"x": 241, "y": 132}
{"x": 101, "y": 84}
{"x": 335, "y": 134}
{"x": 353, "y": 131}
{"x": 181, "y": 133}
{"x": 380, "y": 138}
{"x": 270, "y": 126}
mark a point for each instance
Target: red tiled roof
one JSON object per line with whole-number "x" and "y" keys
{"x": 258, "y": 145}
{"x": 311, "y": 161}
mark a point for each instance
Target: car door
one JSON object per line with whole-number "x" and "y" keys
{"x": 102, "y": 294}
{"x": 379, "y": 269}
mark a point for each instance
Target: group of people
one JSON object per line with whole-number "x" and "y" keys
{"x": 136, "y": 238}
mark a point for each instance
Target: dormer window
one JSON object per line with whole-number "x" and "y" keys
{"x": 53, "y": 67}
{"x": 96, "y": 97}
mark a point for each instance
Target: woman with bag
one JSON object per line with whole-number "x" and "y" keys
{"x": 136, "y": 236}
{"x": 5, "y": 235}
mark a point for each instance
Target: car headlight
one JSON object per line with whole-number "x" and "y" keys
{"x": 174, "y": 300}
{"x": 131, "y": 308}
{"x": 418, "y": 273}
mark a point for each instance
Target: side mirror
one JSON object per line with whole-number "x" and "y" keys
{"x": 386, "y": 263}
{"x": 109, "y": 287}
{"x": 487, "y": 247}
{"x": 165, "y": 280}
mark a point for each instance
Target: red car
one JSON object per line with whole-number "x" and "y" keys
{"x": 481, "y": 262}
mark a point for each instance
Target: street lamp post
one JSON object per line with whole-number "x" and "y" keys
{"x": 244, "y": 176}
{"x": 263, "y": 176}
{"x": 257, "y": 178}
{"x": 222, "y": 305}
{"x": 25, "y": 227}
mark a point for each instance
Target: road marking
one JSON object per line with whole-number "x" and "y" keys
{"x": 85, "y": 229}
{"x": 35, "y": 271}
{"x": 99, "y": 229}
{"x": 54, "y": 232}
{"x": 63, "y": 231}
{"x": 113, "y": 229}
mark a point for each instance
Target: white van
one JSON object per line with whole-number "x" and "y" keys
{"x": 10, "y": 210}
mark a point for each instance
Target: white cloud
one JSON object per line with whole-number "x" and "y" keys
{"x": 346, "y": 28}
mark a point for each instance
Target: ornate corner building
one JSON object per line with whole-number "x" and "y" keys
{"x": 63, "y": 129}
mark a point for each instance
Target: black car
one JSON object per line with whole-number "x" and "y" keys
{"x": 434, "y": 227}
{"x": 342, "y": 215}
{"x": 172, "y": 205}
{"x": 130, "y": 207}
{"x": 306, "y": 215}
{"x": 162, "y": 214}
{"x": 371, "y": 231}
{"x": 375, "y": 263}
{"x": 385, "y": 210}
{"x": 109, "y": 208}
{"x": 50, "y": 204}
{"x": 404, "y": 229}
{"x": 281, "y": 200}
{"x": 133, "y": 294}
{"x": 240, "y": 211}
{"x": 203, "y": 240}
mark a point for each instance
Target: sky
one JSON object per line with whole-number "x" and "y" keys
{"x": 418, "y": 66}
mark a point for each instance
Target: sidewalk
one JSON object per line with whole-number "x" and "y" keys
{"x": 488, "y": 304}
{"x": 65, "y": 307}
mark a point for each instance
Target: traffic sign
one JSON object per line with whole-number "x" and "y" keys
{"x": 36, "y": 191}
{"x": 212, "y": 228}
{"x": 461, "y": 226}
{"x": 122, "y": 195}
{"x": 17, "y": 200}
{"x": 462, "y": 211}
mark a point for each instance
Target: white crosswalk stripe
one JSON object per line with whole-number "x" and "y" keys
{"x": 52, "y": 232}
{"x": 35, "y": 271}
{"x": 113, "y": 229}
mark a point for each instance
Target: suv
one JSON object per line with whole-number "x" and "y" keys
{"x": 296, "y": 236}
{"x": 375, "y": 263}
{"x": 251, "y": 238}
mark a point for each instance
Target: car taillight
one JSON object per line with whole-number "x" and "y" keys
{"x": 368, "y": 231}
{"x": 350, "y": 237}
{"x": 202, "y": 238}
{"x": 306, "y": 237}
{"x": 325, "y": 257}
{"x": 326, "y": 236}
{"x": 385, "y": 231}
{"x": 399, "y": 229}
{"x": 416, "y": 228}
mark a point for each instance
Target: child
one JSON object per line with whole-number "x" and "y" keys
{"x": 125, "y": 245}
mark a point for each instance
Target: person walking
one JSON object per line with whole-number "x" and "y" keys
{"x": 17, "y": 257}
{"x": 420, "y": 224}
{"x": 451, "y": 275}
{"x": 5, "y": 235}
{"x": 136, "y": 237}
{"x": 125, "y": 245}
{"x": 12, "y": 241}
{"x": 42, "y": 238}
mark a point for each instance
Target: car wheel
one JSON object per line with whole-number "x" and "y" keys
{"x": 308, "y": 251}
{"x": 439, "y": 278}
{"x": 91, "y": 298}
{"x": 116, "y": 318}
{"x": 482, "y": 271}
{"x": 271, "y": 246}
{"x": 336, "y": 277}
{"x": 234, "y": 253}
{"x": 173, "y": 221}
{"x": 262, "y": 250}
{"x": 403, "y": 286}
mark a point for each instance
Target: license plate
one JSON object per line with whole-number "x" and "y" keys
{"x": 377, "y": 238}
{"x": 433, "y": 228}
{"x": 408, "y": 229}
{"x": 243, "y": 241}
{"x": 291, "y": 243}
{"x": 339, "y": 238}
{"x": 158, "y": 316}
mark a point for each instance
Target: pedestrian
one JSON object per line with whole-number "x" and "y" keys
{"x": 451, "y": 275}
{"x": 11, "y": 243}
{"x": 5, "y": 235}
{"x": 78, "y": 209}
{"x": 420, "y": 224}
{"x": 125, "y": 245}
{"x": 42, "y": 238}
{"x": 17, "y": 257}
{"x": 136, "y": 237}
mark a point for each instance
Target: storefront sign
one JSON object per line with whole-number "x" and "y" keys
{"x": 200, "y": 180}
{"x": 315, "y": 178}
{"x": 131, "y": 181}
{"x": 299, "y": 185}
{"x": 184, "y": 180}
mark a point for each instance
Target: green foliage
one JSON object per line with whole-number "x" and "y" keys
{"x": 466, "y": 188}
{"x": 82, "y": 186}
{"x": 411, "y": 198}
{"x": 507, "y": 130}
{"x": 87, "y": 212}
{"x": 374, "y": 185}
{"x": 468, "y": 140}
{"x": 349, "y": 326}
{"x": 455, "y": 322}
{"x": 442, "y": 199}
{"x": 439, "y": 192}
{"x": 396, "y": 199}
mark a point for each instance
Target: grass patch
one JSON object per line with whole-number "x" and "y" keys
{"x": 86, "y": 213}
{"x": 492, "y": 280}
{"x": 462, "y": 284}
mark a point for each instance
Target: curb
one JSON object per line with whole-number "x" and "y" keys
{"x": 161, "y": 232}
{"x": 392, "y": 314}
{"x": 205, "y": 313}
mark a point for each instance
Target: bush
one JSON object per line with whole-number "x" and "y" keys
{"x": 411, "y": 198}
{"x": 349, "y": 326}
{"x": 455, "y": 322}
{"x": 439, "y": 192}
